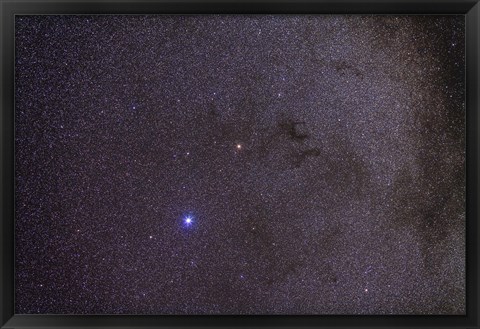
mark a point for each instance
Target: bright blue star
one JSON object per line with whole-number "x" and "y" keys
{"x": 188, "y": 221}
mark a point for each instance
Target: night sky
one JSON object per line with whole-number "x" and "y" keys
{"x": 240, "y": 164}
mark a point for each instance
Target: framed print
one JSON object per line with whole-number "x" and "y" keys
{"x": 238, "y": 164}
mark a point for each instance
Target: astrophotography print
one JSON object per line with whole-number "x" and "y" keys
{"x": 240, "y": 164}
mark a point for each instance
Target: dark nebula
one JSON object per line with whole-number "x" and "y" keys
{"x": 240, "y": 164}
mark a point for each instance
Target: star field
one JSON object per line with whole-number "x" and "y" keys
{"x": 240, "y": 164}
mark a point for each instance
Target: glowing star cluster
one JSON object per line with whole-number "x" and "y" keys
{"x": 220, "y": 164}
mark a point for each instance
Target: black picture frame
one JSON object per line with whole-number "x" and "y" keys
{"x": 8, "y": 10}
